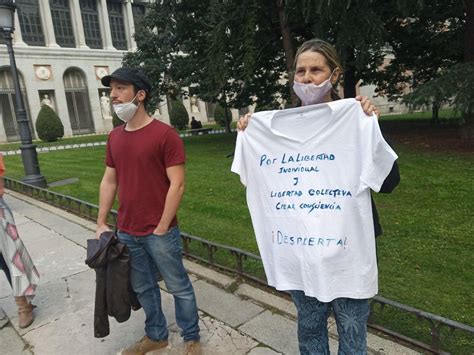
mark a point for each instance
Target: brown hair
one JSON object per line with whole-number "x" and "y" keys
{"x": 329, "y": 52}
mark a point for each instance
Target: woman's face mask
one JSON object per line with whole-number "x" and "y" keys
{"x": 311, "y": 94}
{"x": 127, "y": 110}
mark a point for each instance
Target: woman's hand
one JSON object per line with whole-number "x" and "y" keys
{"x": 243, "y": 122}
{"x": 367, "y": 105}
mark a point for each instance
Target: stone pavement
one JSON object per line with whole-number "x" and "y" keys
{"x": 235, "y": 317}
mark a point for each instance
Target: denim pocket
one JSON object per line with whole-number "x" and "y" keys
{"x": 167, "y": 234}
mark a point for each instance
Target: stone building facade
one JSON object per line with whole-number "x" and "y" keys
{"x": 62, "y": 49}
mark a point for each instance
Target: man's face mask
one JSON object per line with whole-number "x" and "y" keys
{"x": 127, "y": 110}
{"x": 311, "y": 94}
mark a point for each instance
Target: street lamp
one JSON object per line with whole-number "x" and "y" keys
{"x": 28, "y": 149}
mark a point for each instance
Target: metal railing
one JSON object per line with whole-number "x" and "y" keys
{"x": 209, "y": 251}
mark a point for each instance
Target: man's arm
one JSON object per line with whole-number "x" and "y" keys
{"x": 108, "y": 189}
{"x": 173, "y": 198}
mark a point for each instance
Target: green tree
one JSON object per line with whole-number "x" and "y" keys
{"x": 222, "y": 116}
{"x": 355, "y": 28}
{"x": 434, "y": 51}
{"x": 179, "y": 117}
{"x": 116, "y": 121}
{"x": 423, "y": 44}
{"x": 241, "y": 60}
{"x": 226, "y": 59}
{"x": 48, "y": 125}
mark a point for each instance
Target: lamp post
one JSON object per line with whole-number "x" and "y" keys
{"x": 28, "y": 149}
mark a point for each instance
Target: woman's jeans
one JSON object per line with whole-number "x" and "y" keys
{"x": 351, "y": 320}
{"x": 162, "y": 253}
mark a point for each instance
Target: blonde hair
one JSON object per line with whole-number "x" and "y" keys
{"x": 329, "y": 52}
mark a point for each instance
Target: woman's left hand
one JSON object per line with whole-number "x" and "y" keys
{"x": 367, "y": 106}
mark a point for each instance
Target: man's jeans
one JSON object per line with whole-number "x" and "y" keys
{"x": 162, "y": 253}
{"x": 351, "y": 320}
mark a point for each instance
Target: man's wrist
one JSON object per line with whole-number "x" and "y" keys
{"x": 101, "y": 223}
{"x": 162, "y": 228}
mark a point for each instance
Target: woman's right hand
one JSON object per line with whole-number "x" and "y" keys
{"x": 243, "y": 121}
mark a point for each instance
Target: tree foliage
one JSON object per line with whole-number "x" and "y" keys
{"x": 433, "y": 59}
{"x": 246, "y": 59}
{"x": 179, "y": 117}
{"x": 222, "y": 115}
{"x": 237, "y": 53}
{"x": 225, "y": 58}
{"x": 116, "y": 121}
{"x": 453, "y": 86}
{"x": 423, "y": 44}
{"x": 48, "y": 125}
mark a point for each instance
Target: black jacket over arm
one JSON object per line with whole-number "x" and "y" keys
{"x": 113, "y": 294}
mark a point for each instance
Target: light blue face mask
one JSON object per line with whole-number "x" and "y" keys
{"x": 311, "y": 94}
{"x": 127, "y": 110}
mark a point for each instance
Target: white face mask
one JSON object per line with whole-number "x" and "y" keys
{"x": 311, "y": 94}
{"x": 127, "y": 110}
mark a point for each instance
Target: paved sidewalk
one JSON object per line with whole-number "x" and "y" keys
{"x": 244, "y": 321}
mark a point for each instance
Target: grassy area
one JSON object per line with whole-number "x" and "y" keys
{"x": 428, "y": 221}
{"x": 444, "y": 114}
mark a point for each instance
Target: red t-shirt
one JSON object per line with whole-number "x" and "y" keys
{"x": 140, "y": 159}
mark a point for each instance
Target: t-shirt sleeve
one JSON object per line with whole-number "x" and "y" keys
{"x": 173, "y": 148}
{"x": 109, "y": 161}
{"x": 238, "y": 165}
{"x": 377, "y": 156}
{"x": 2, "y": 166}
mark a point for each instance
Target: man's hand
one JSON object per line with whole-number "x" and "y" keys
{"x": 101, "y": 228}
{"x": 367, "y": 106}
{"x": 159, "y": 230}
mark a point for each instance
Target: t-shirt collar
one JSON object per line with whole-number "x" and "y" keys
{"x": 314, "y": 127}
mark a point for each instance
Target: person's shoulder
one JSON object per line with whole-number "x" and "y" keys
{"x": 163, "y": 129}
{"x": 162, "y": 126}
{"x": 117, "y": 131}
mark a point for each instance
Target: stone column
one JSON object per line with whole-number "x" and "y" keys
{"x": 18, "y": 39}
{"x": 131, "y": 25}
{"x": 78, "y": 26}
{"x": 104, "y": 16}
{"x": 48, "y": 28}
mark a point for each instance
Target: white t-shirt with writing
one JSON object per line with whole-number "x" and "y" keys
{"x": 308, "y": 173}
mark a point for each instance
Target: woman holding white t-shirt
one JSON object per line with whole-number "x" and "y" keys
{"x": 317, "y": 71}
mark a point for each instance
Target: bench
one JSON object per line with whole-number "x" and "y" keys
{"x": 198, "y": 131}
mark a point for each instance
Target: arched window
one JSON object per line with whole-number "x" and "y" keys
{"x": 8, "y": 104}
{"x": 78, "y": 104}
{"x": 30, "y": 22}
{"x": 62, "y": 23}
{"x": 90, "y": 19}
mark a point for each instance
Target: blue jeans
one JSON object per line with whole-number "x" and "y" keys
{"x": 162, "y": 253}
{"x": 351, "y": 320}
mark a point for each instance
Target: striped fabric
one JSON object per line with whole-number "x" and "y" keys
{"x": 24, "y": 275}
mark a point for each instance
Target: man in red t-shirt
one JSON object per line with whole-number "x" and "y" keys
{"x": 145, "y": 163}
